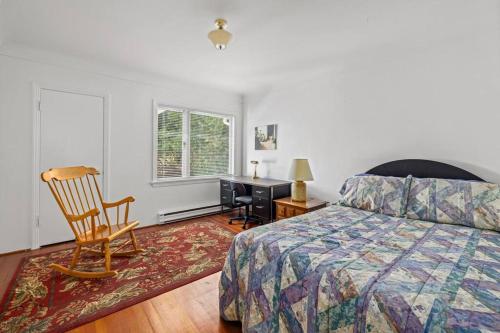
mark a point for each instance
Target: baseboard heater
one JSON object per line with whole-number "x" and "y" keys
{"x": 185, "y": 214}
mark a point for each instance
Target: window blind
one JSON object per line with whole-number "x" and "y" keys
{"x": 209, "y": 142}
{"x": 169, "y": 148}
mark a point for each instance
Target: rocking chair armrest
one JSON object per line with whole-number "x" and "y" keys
{"x": 118, "y": 203}
{"x": 91, "y": 213}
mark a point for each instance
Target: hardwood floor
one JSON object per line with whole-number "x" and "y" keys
{"x": 190, "y": 308}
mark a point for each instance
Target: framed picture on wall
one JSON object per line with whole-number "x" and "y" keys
{"x": 265, "y": 137}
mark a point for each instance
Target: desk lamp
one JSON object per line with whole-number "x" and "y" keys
{"x": 255, "y": 163}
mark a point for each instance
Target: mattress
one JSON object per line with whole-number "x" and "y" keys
{"x": 341, "y": 269}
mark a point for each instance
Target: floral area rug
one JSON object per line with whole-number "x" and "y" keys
{"x": 39, "y": 299}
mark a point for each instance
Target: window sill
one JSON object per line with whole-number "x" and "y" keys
{"x": 186, "y": 181}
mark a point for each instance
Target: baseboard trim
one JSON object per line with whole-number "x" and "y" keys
{"x": 186, "y": 214}
{"x": 14, "y": 252}
{"x": 194, "y": 216}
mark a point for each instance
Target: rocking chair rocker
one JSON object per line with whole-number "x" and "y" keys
{"x": 75, "y": 189}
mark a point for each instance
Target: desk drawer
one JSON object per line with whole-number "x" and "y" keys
{"x": 261, "y": 192}
{"x": 258, "y": 201}
{"x": 224, "y": 185}
{"x": 226, "y": 197}
{"x": 262, "y": 209}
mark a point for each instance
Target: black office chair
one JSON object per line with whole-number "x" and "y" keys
{"x": 241, "y": 198}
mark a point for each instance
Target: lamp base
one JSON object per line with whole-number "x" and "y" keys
{"x": 299, "y": 192}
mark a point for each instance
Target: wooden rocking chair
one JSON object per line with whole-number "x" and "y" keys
{"x": 76, "y": 191}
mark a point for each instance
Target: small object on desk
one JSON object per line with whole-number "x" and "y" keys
{"x": 286, "y": 207}
{"x": 300, "y": 171}
{"x": 255, "y": 163}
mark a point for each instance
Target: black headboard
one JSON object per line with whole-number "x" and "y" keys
{"x": 422, "y": 169}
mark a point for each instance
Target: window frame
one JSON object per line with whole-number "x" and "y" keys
{"x": 186, "y": 112}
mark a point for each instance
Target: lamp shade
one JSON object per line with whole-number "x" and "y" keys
{"x": 300, "y": 170}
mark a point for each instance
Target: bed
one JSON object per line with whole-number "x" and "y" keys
{"x": 346, "y": 269}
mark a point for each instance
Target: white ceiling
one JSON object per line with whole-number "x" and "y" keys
{"x": 273, "y": 39}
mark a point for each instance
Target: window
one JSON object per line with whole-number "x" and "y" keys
{"x": 190, "y": 144}
{"x": 170, "y": 142}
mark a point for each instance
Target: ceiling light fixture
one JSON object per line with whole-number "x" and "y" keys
{"x": 220, "y": 37}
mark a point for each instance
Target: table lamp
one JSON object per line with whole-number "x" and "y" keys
{"x": 300, "y": 172}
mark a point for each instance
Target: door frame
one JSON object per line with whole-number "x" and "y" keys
{"x": 37, "y": 91}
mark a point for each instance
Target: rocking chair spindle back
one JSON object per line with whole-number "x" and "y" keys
{"x": 77, "y": 193}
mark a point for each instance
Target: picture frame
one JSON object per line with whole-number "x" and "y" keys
{"x": 266, "y": 137}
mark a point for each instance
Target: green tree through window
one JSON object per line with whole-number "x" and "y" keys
{"x": 169, "y": 151}
{"x": 209, "y": 145}
{"x": 207, "y": 136}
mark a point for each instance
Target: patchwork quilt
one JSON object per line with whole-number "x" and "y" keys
{"x": 341, "y": 269}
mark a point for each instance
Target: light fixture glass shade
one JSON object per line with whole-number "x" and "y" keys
{"x": 300, "y": 170}
{"x": 220, "y": 37}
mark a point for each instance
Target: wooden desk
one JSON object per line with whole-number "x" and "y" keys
{"x": 286, "y": 207}
{"x": 264, "y": 192}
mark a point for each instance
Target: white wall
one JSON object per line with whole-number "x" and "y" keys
{"x": 438, "y": 101}
{"x": 2, "y": 24}
{"x": 131, "y": 136}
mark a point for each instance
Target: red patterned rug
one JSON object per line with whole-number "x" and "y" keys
{"x": 39, "y": 299}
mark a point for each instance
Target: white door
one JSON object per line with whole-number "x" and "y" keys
{"x": 71, "y": 134}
